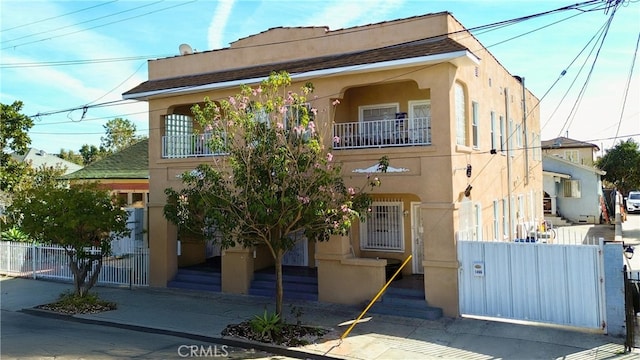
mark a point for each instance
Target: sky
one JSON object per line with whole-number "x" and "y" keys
{"x": 70, "y": 61}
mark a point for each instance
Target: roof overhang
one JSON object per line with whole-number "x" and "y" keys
{"x": 459, "y": 58}
{"x": 555, "y": 174}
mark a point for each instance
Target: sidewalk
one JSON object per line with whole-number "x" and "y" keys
{"x": 204, "y": 315}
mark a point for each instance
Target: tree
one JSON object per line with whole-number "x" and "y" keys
{"x": 90, "y": 153}
{"x": 14, "y": 128}
{"x": 120, "y": 133}
{"x": 276, "y": 179}
{"x": 622, "y": 164}
{"x": 77, "y": 218}
{"x": 72, "y": 156}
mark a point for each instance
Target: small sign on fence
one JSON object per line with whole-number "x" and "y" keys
{"x": 478, "y": 268}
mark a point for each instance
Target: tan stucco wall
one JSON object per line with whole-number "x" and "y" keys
{"x": 345, "y": 279}
{"x": 436, "y": 176}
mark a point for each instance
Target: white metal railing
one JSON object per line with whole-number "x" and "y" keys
{"x": 51, "y": 262}
{"x": 189, "y": 145}
{"x": 382, "y": 133}
{"x": 531, "y": 232}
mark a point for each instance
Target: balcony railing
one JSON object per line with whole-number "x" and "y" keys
{"x": 367, "y": 134}
{"x": 382, "y": 133}
{"x": 183, "y": 146}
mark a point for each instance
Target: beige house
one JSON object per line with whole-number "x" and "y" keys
{"x": 463, "y": 148}
{"x": 575, "y": 151}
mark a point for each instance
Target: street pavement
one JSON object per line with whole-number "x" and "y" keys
{"x": 201, "y": 317}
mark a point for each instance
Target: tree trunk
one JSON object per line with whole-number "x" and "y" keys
{"x": 279, "y": 290}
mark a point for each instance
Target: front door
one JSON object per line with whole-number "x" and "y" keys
{"x": 417, "y": 239}
{"x": 299, "y": 255}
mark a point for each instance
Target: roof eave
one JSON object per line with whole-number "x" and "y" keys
{"x": 458, "y": 58}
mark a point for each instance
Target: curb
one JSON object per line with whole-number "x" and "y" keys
{"x": 235, "y": 342}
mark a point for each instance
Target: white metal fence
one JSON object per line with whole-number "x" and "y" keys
{"x": 51, "y": 262}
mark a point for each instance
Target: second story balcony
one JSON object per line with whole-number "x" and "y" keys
{"x": 382, "y": 133}
{"x": 350, "y": 135}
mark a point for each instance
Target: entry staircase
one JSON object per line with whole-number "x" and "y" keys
{"x": 197, "y": 279}
{"x": 297, "y": 285}
{"x": 407, "y": 303}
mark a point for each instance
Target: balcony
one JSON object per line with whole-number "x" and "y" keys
{"x": 186, "y": 146}
{"x": 352, "y": 135}
{"x": 383, "y": 133}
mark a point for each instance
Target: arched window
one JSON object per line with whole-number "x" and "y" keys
{"x": 461, "y": 122}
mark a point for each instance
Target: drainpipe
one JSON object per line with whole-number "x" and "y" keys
{"x": 526, "y": 141}
{"x": 508, "y": 141}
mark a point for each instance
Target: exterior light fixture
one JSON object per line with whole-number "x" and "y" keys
{"x": 628, "y": 252}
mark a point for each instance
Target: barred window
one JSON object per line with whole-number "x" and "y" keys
{"x": 383, "y": 230}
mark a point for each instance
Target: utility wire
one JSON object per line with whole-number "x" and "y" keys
{"x": 58, "y": 16}
{"x": 482, "y": 27}
{"x": 573, "y": 112}
{"x": 76, "y": 24}
{"x": 102, "y": 25}
{"x": 626, "y": 90}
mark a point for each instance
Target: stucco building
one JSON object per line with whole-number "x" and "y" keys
{"x": 461, "y": 132}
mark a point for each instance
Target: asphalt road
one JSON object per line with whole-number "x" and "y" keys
{"x": 25, "y": 336}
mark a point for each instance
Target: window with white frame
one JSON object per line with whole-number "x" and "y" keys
{"x": 496, "y": 220}
{"x": 383, "y": 230}
{"x": 494, "y": 131}
{"x": 510, "y": 132}
{"x": 502, "y": 135}
{"x": 505, "y": 218}
{"x": 519, "y": 136}
{"x": 377, "y": 122}
{"x": 461, "y": 116}
{"x": 571, "y": 188}
{"x": 572, "y": 155}
{"x": 477, "y": 222}
{"x": 475, "y": 131}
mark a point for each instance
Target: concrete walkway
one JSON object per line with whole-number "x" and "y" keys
{"x": 203, "y": 316}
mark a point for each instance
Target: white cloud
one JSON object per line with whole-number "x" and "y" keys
{"x": 218, "y": 23}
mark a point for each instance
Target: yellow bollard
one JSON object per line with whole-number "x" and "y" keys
{"x": 375, "y": 299}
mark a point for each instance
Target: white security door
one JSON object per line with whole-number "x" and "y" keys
{"x": 417, "y": 239}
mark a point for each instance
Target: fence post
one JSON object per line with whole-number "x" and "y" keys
{"x": 33, "y": 259}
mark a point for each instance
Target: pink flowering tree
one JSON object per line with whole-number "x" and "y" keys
{"x": 276, "y": 177}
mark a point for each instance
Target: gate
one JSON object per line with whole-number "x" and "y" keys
{"x": 538, "y": 282}
{"x": 632, "y": 307}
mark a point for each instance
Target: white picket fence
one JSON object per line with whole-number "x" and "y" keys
{"x": 51, "y": 262}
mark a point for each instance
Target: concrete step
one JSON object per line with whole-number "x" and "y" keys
{"x": 300, "y": 287}
{"x": 406, "y": 303}
{"x": 264, "y": 276}
{"x": 196, "y": 280}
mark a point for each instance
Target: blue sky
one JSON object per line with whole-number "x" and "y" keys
{"x": 61, "y": 55}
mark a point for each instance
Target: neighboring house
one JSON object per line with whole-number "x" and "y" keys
{"x": 575, "y": 151}
{"x": 422, "y": 91}
{"x": 572, "y": 191}
{"x": 38, "y": 158}
{"x": 126, "y": 174}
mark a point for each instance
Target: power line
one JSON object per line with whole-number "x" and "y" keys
{"x": 58, "y": 16}
{"x": 76, "y": 24}
{"x": 102, "y": 25}
{"x": 626, "y": 90}
{"x": 465, "y": 30}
